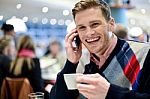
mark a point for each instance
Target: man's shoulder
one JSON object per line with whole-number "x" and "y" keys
{"x": 139, "y": 45}
{"x": 141, "y": 50}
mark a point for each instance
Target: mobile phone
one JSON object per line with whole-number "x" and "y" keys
{"x": 77, "y": 41}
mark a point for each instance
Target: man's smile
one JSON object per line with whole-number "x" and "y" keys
{"x": 90, "y": 40}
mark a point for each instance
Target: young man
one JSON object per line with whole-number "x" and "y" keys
{"x": 8, "y": 30}
{"x": 9, "y": 33}
{"x": 117, "y": 69}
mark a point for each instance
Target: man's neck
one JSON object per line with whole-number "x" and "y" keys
{"x": 110, "y": 43}
{"x": 100, "y": 58}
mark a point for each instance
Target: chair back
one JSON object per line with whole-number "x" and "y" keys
{"x": 15, "y": 88}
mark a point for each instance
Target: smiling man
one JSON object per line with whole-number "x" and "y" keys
{"x": 117, "y": 69}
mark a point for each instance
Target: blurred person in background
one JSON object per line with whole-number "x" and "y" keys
{"x": 8, "y": 30}
{"x": 53, "y": 61}
{"x": 7, "y": 47}
{"x": 40, "y": 49}
{"x": 137, "y": 34}
{"x": 9, "y": 33}
{"x": 5, "y": 60}
{"x": 121, "y": 31}
{"x": 26, "y": 64}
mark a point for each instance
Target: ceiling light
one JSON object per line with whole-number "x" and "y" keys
{"x": 25, "y": 19}
{"x": 65, "y": 12}
{"x": 18, "y": 6}
{"x": 44, "y": 20}
{"x": 53, "y": 21}
{"x": 45, "y": 9}
{"x": 1, "y": 17}
{"x": 61, "y": 22}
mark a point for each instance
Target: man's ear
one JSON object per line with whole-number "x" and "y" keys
{"x": 112, "y": 24}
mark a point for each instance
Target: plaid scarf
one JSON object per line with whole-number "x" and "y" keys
{"x": 129, "y": 64}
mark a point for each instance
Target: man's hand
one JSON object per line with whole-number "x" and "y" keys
{"x": 72, "y": 55}
{"x": 93, "y": 86}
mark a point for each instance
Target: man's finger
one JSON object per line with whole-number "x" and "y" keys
{"x": 89, "y": 79}
{"x": 86, "y": 87}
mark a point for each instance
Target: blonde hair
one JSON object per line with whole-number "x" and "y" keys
{"x": 25, "y": 42}
{"x": 87, "y": 4}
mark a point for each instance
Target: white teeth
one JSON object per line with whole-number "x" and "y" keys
{"x": 93, "y": 39}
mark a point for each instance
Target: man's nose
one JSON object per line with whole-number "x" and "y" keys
{"x": 90, "y": 31}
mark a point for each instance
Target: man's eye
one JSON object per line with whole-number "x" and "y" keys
{"x": 82, "y": 28}
{"x": 95, "y": 25}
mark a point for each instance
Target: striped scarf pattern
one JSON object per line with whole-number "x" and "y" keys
{"x": 125, "y": 67}
{"x": 129, "y": 64}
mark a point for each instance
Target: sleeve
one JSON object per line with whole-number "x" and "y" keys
{"x": 4, "y": 68}
{"x": 143, "y": 92}
{"x": 144, "y": 81}
{"x": 35, "y": 77}
{"x": 59, "y": 90}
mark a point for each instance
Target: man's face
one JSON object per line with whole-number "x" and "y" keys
{"x": 10, "y": 33}
{"x": 54, "y": 48}
{"x": 93, "y": 30}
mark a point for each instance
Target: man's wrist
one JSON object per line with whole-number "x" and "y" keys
{"x": 69, "y": 67}
{"x": 73, "y": 62}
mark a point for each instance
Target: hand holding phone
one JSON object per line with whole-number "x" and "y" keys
{"x": 73, "y": 46}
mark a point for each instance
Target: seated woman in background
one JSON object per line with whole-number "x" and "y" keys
{"x": 52, "y": 62}
{"x": 26, "y": 64}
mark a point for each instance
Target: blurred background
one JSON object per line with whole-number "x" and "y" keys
{"x": 49, "y": 18}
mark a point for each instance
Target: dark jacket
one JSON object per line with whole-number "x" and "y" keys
{"x": 4, "y": 65}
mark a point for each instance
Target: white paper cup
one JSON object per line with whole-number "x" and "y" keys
{"x": 70, "y": 80}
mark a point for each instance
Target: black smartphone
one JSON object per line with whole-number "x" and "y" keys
{"x": 77, "y": 41}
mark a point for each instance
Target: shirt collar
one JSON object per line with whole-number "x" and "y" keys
{"x": 102, "y": 58}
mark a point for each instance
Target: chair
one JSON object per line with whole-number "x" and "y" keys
{"x": 15, "y": 88}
